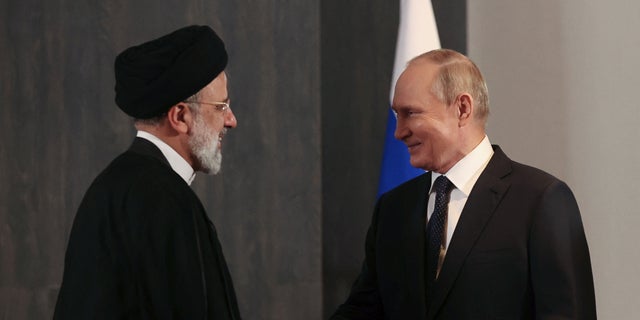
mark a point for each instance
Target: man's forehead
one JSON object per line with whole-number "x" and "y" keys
{"x": 414, "y": 79}
{"x": 218, "y": 86}
{"x": 425, "y": 69}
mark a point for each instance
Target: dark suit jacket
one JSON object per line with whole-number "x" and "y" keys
{"x": 142, "y": 247}
{"x": 518, "y": 252}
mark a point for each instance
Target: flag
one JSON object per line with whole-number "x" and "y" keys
{"x": 417, "y": 33}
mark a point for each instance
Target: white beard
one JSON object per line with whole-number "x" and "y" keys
{"x": 204, "y": 144}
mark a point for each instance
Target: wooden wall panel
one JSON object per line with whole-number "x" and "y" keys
{"x": 270, "y": 188}
{"x": 309, "y": 83}
{"x": 59, "y": 127}
{"x": 358, "y": 47}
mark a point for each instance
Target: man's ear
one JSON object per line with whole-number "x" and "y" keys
{"x": 464, "y": 103}
{"x": 180, "y": 117}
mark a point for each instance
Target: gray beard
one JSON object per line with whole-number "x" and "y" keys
{"x": 204, "y": 146}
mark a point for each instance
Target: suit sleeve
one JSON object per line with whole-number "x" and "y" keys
{"x": 559, "y": 256}
{"x": 364, "y": 301}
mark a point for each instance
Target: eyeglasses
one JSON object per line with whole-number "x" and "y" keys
{"x": 221, "y": 106}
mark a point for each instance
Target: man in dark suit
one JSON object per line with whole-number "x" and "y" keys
{"x": 142, "y": 246}
{"x": 479, "y": 236}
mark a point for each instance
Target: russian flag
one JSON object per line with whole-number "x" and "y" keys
{"x": 417, "y": 33}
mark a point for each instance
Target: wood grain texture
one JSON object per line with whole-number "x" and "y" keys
{"x": 59, "y": 127}
{"x": 358, "y": 45}
{"x": 309, "y": 84}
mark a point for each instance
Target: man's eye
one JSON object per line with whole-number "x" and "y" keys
{"x": 410, "y": 113}
{"x": 404, "y": 113}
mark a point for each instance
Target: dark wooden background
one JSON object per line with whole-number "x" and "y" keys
{"x": 309, "y": 82}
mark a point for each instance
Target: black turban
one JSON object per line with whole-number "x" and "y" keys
{"x": 153, "y": 76}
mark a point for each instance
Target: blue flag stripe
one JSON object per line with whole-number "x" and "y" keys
{"x": 417, "y": 33}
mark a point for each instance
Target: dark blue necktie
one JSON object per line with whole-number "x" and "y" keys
{"x": 436, "y": 226}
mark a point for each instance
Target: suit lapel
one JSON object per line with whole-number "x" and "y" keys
{"x": 412, "y": 230}
{"x": 481, "y": 204}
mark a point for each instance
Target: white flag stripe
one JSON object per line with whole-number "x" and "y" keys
{"x": 417, "y": 33}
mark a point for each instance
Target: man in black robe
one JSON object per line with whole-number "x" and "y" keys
{"x": 142, "y": 246}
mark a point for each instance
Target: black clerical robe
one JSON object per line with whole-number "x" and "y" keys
{"x": 142, "y": 247}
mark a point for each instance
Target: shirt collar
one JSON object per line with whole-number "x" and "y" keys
{"x": 176, "y": 161}
{"x": 465, "y": 173}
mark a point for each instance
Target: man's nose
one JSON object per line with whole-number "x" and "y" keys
{"x": 230, "y": 120}
{"x": 401, "y": 131}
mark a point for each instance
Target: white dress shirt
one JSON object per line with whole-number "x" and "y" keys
{"x": 463, "y": 175}
{"x": 177, "y": 162}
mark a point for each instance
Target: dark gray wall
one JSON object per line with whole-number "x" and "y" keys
{"x": 358, "y": 47}
{"x": 309, "y": 82}
{"x": 59, "y": 127}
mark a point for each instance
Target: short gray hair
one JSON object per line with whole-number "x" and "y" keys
{"x": 458, "y": 74}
